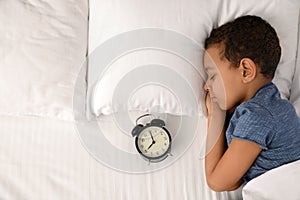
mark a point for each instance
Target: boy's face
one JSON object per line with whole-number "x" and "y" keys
{"x": 223, "y": 83}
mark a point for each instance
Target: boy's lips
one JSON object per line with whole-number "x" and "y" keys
{"x": 214, "y": 99}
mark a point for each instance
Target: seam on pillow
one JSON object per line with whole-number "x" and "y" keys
{"x": 297, "y": 50}
{"x": 297, "y": 69}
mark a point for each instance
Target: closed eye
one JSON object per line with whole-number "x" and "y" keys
{"x": 212, "y": 77}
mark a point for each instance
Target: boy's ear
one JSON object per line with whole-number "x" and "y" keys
{"x": 248, "y": 70}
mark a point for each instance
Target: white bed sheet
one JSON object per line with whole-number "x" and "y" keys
{"x": 44, "y": 159}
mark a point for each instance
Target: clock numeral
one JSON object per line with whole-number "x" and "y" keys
{"x": 143, "y": 140}
{"x": 165, "y": 144}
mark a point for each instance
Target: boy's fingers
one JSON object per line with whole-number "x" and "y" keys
{"x": 208, "y": 103}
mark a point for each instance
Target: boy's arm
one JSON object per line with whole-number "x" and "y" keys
{"x": 224, "y": 168}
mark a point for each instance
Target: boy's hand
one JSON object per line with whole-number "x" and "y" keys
{"x": 215, "y": 114}
{"x": 208, "y": 103}
{"x": 209, "y": 108}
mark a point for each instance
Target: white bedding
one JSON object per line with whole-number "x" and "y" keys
{"x": 44, "y": 159}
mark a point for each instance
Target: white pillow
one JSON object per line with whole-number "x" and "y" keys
{"x": 112, "y": 20}
{"x": 276, "y": 184}
{"x": 43, "y": 46}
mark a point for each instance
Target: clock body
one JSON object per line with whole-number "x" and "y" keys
{"x": 153, "y": 141}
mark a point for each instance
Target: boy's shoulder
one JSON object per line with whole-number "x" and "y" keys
{"x": 252, "y": 112}
{"x": 267, "y": 107}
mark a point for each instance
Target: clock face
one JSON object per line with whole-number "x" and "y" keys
{"x": 153, "y": 142}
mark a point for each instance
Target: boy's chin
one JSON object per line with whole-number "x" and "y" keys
{"x": 225, "y": 107}
{"x": 221, "y": 105}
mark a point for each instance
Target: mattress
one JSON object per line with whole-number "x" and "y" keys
{"x": 44, "y": 158}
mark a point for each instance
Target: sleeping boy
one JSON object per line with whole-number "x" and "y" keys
{"x": 263, "y": 131}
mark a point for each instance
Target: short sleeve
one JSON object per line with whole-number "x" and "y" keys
{"x": 254, "y": 125}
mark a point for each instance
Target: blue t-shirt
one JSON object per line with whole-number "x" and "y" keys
{"x": 270, "y": 122}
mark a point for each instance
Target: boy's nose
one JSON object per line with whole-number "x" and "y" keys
{"x": 206, "y": 88}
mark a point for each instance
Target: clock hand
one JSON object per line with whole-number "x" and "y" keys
{"x": 152, "y": 137}
{"x": 153, "y": 142}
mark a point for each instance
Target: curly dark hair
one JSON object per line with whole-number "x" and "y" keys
{"x": 248, "y": 37}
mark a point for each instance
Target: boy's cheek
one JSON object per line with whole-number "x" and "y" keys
{"x": 218, "y": 87}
